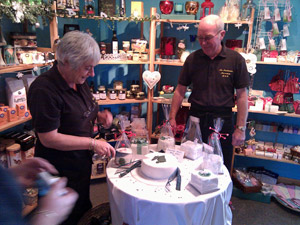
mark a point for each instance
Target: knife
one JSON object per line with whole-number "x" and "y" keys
{"x": 137, "y": 164}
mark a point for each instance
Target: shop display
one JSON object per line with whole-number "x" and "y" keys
{"x": 139, "y": 139}
{"x": 159, "y": 165}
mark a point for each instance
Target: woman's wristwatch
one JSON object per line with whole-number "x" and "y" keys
{"x": 242, "y": 128}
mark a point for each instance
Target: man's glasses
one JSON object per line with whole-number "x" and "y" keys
{"x": 208, "y": 37}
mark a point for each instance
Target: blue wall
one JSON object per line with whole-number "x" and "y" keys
{"x": 106, "y": 74}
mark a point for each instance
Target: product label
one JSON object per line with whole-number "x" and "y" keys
{"x": 115, "y": 47}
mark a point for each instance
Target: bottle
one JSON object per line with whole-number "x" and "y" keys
{"x": 90, "y": 7}
{"x": 114, "y": 43}
{"x": 247, "y": 8}
{"x": 122, "y": 8}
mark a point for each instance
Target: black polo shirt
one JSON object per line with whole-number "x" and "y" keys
{"x": 213, "y": 81}
{"x": 54, "y": 105}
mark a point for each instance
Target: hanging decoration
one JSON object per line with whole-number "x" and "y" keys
{"x": 19, "y": 11}
{"x": 151, "y": 78}
{"x": 251, "y": 60}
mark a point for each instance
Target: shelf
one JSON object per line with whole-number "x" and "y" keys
{"x": 119, "y": 19}
{"x": 11, "y": 69}
{"x": 168, "y": 63}
{"x": 14, "y": 123}
{"x": 122, "y": 62}
{"x": 267, "y": 158}
{"x": 103, "y": 175}
{"x": 197, "y": 21}
{"x": 169, "y": 101}
{"x": 272, "y": 113}
{"x": 278, "y": 63}
{"x": 117, "y": 101}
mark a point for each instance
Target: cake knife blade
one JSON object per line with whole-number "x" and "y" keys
{"x": 137, "y": 164}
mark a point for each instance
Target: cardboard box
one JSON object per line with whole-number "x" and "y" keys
{"x": 137, "y": 9}
{"x": 21, "y": 109}
{"x": 3, "y": 118}
{"x": 12, "y": 115}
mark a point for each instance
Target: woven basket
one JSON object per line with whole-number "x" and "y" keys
{"x": 96, "y": 212}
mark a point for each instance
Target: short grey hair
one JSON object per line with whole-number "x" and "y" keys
{"x": 217, "y": 20}
{"x": 77, "y": 48}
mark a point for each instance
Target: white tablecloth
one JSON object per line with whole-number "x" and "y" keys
{"x": 136, "y": 200}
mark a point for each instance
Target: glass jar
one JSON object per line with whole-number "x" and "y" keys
{"x": 136, "y": 56}
{"x": 102, "y": 48}
{"x": 112, "y": 94}
{"x": 140, "y": 95}
{"x": 118, "y": 85}
{"x": 129, "y": 55}
{"x": 144, "y": 56}
{"x": 134, "y": 88}
{"x": 180, "y": 48}
{"x": 129, "y": 95}
{"x": 122, "y": 94}
{"x": 126, "y": 46}
{"x": 102, "y": 93}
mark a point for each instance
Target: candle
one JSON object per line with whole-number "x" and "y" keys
{"x": 178, "y": 8}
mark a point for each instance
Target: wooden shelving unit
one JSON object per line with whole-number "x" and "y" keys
{"x": 125, "y": 101}
{"x": 13, "y": 124}
{"x": 267, "y": 158}
{"x": 11, "y": 69}
{"x": 278, "y": 63}
{"x": 110, "y": 62}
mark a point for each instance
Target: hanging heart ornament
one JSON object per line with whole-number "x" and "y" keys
{"x": 151, "y": 78}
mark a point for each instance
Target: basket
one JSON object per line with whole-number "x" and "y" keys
{"x": 246, "y": 189}
{"x": 100, "y": 214}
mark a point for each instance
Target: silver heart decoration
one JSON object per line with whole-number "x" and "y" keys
{"x": 151, "y": 78}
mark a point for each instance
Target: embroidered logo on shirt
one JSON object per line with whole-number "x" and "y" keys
{"x": 225, "y": 73}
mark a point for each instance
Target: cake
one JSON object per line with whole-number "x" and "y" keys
{"x": 204, "y": 181}
{"x": 158, "y": 165}
{"x": 165, "y": 142}
{"x": 192, "y": 150}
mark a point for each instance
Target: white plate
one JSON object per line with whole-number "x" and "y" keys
{"x": 139, "y": 176}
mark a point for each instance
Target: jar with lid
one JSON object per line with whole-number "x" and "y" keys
{"x": 122, "y": 94}
{"x": 140, "y": 95}
{"x": 102, "y": 93}
{"x": 134, "y": 88}
{"x": 144, "y": 56}
{"x": 14, "y": 155}
{"x": 102, "y": 48}
{"x": 126, "y": 46}
{"x": 129, "y": 95}
{"x": 112, "y": 94}
{"x": 118, "y": 85}
{"x": 129, "y": 55}
{"x": 136, "y": 56}
{"x": 133, "y": 44}
{"x": 180, "y": 48}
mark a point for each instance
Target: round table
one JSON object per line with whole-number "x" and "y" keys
{"x": 137, "y": 200}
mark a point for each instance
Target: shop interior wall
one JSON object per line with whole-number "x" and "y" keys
{"x": 106, "y": 74}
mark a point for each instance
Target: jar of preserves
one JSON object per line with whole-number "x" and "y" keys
{"x": 144, "y": 56}
{"x": 112, "y": 94}
{"x": 136, "y": 56}
{"x": 135, "y": 88}
{"x": 126, "y": 46}
{"x": 102, "y": 93}
{"x": 122, "y": 94}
